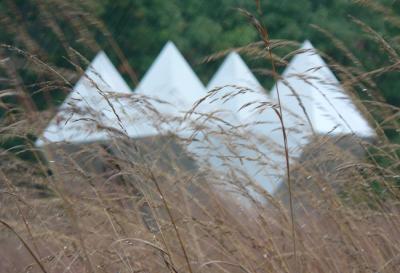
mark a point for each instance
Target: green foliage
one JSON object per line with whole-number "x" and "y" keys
{"x": 49, "y": 29}
{"x": 201, "y": 28}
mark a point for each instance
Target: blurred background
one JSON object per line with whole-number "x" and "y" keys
{"x": 74, "y": 220}
{"x": 133, "y": 32}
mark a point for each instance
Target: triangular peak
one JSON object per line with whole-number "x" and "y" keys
{"x": 239, "y": 84}
{"x": 234, "y": 71}
{"x": 170, "y": 78}
{"x": 307, "y": 45}
{"x": 324, "y": 103}
{"x": 308, "y": 62}
{"x": 74, "y": 121}
{"x": 102, "y": 70}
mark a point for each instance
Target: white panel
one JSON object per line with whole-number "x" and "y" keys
{"x": 171, "y": 80}
{"x": 329, "y": 108}
{"x": 86, "y": 106}
{"x": 246, "y": 151}
{"x": 313, "y": 102}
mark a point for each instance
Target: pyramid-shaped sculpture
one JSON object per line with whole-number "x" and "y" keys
{"x": 90, "y": 106}
{"x": 172, "y": 87}
{"x": 314, "y": 101}
{"x": 235, "y": 97}
{"x": 313, "y": 104}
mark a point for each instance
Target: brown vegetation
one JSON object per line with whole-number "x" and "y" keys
{"x": 150, "y": 206}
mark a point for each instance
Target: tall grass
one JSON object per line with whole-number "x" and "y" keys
{"x": 150, "y": 205}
